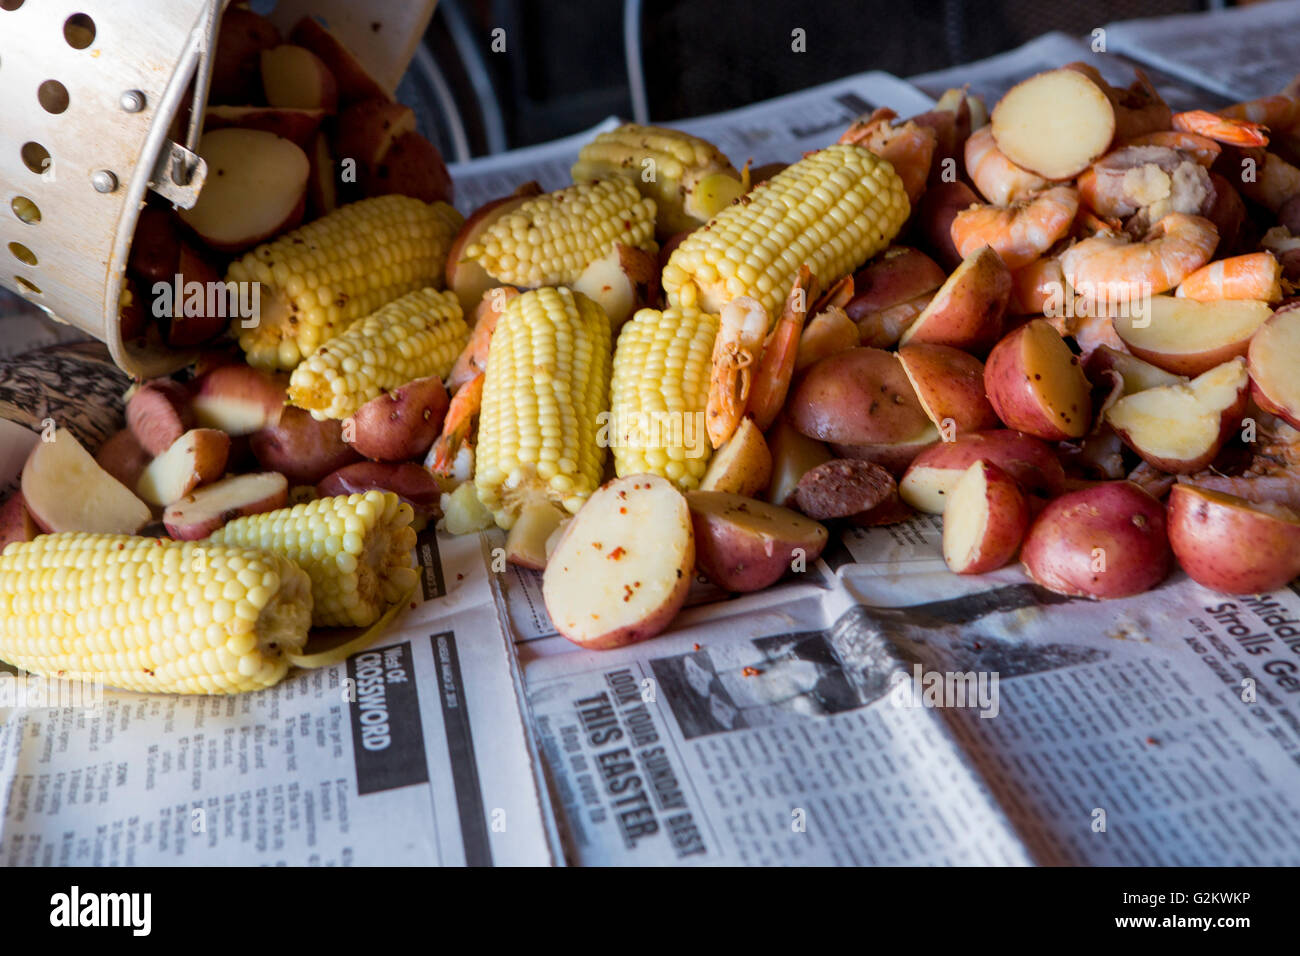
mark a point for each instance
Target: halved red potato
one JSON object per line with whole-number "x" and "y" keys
{"x": 409, "y": 481}
{"x": 298, "y": 126}
{"x": 196, "y": 458}
{"x": 928, "y": 483}
{"x": 159, "y": 412}
{"x": 16, "y": 522}
{"x": 934, "y": 215}
{"x": 745, "y": 545}
{"x": 123, "y": 457}
{"x": 1274, "y": 361}
{"x": 354, "y": 82}
{"x": 742, "y": 466}
{"x": 1232, "y": 545}
{"x": 301, "y": 448}
{"x": 1180, "y": 428}
{"x": 967, "y": 312}
{"x": 1135, "y": 373}
{"x": 1104, "y": 541}
{"x": 1036, "y": 385}
{"x": 949, "y": 384}
{"x": 985, "y": 520}
{"x": 65, "y": 490}
{"x": 894, "y": 457}
{"x": 400, "y": 424}
{"x": 465, "y": 277}
{"x": 206, "y": 509}
{"x": 898, "y": 274}
{"x": 622, "y": 568}
{"x": 856, "y": 397}
{"x": 1054, "y": 124}
{"x": 295, "y": 77}
{"x": 1187, "y": 337}
{"x": 238, "y": 399}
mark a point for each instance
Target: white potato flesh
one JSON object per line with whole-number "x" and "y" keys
{"x": 66, "y": 490}
{"x": 1180, "y": 422}
{"x": 1054, "y": 124}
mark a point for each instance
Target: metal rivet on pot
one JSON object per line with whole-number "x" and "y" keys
{"x": 103, "y": 181}
{"x": 132, "y": 101}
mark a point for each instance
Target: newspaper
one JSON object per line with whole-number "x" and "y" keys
{"x": 871, "y": 708}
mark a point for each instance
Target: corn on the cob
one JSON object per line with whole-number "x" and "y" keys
{"x": 151, "y": 615}
{"x": 688, "y": 178}
{"x": 551, "y": 239}
{"x": 659, "y": 395}
{"x": 546, "y": 383}
{"x": 356, "y": 549}
{"x": 416, "y": 336}
{"x": 322, "y": 277}
{"x": 832, "y": 210}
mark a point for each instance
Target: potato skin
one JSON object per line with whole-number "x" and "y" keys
{"x": 843, "y": 487}
{"x": 301, "y": 448}
{"x": 1114, "y": 525}
{"x": 409, "y": 481}
{"x": 858, "y": 397}
{"x": 1227, "y": 545}
{"x": 401, "y": 424}
{"x": 742, "y": 544}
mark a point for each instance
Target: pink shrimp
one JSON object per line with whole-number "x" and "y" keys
{"x": 908, "y": 146}
{"x": 1021, "y": 232}
{"x": 1113, "y": 269}
{"x": 1278, "y": 112}
{"x": 772, "y": 380}
{"x": 473, "y": 358}
{"x": 1201, "y": 148}
{"x": 998, "y": 179}
{"x": 1257, "y": 275}
{"x": 447, "y": 451}
{"x": 1221, "y": 129}
{"x": 742, "y": 325}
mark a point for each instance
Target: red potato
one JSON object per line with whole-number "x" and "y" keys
{"x": 622, "y": 568}
{"x": 1232, "y": 545}
{"x": 298, "y": 126}
{"x": 534, "y": 536}
{"x": 16, "y": 522}
{"x": 465, "y": 277}
{"x": 65, "y": 490}
{"x": 238, "y": 399}
{"x": 1104, "y": 541}
{"x": 893, "y": 457}
{"x": 1187, "y": 337}
{"x": 793, "y": 454}
{"x": 412, "y": 166}
{"x": 843, "y": 487}
{"x": 301, "y": 448}
{"x": 401, "y": 424}
{"x": 826, "y": 333}
{"x": 354, "y": 82}
{"x": 192, "y": 324}
{"x": 985, "y": 520}
{"x": 1036, "y": 385}
{"x": 409, "y": 481}
{"x": 1180, "y": 428}
{"x": 155, "y": 247}
{"x": 1055, "y": 124}
{"x": 897, "y": 275}
{"x": 949, "y": 385}
{"x": 934, "y": 473}
{"x": 236, "y": 77}
{"x": 934, "y": 215}
{"x": 858, "y": 397}
{"x": 742, "y": 466}
{"x": 883, "y": 329}
{"x": 158, "y": 413}
{"x": 294, "y": 77}
{"x": 968, "y": 310}
{"x": 1274, "y": 358}
{"x": 745, "y": 545}
{"x": 196, "y": 458}
{"x": 203, "y": 511}
{"x": 620, "y": 282}
{"x": 367, "y": 131}
{"x": 1135, "y": 373}
{"x": 123, "y": 457}
{"x": 256, "y": 188}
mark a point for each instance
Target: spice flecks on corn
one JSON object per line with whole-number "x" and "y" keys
{"x": 320, "y": 278}
{"x": 356, "y": 549}
{"x": 659, "y": 395}
{"x": 546, "y": 384}
{"x": 671, "y": 167}
{"x": 416, "y": 336}
{"x": 833, "y": 210}
{"x": 151, "y": 615}
{"x": 551, "y": 239}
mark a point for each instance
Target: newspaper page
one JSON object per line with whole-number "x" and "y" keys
{"x": 772, "y": 131}
{"x": 992, "y": 77}
{"x": 1262, "y": 38}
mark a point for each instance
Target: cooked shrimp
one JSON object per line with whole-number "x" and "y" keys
{"x": 1257, "y": 275}
{"x": 1276, "y": 112}
{"x": 1201, "y": 148}
{"x": 453, "y": 443}
{"x": 742, "y": 326}
{"x": 1114, "y": 270}
{"x": 838, "y": 295}
{"x": 1021, "y": 232}
{"x": 473, "y": 358}
{"x": 998, "y": 179}
{"x": 1138, "y": 108}
{"x": 908, "y": 146}
{"x": 1274, "y": 183}
{"x": 1221, "y": 129}
{"x": 772, "y": 379}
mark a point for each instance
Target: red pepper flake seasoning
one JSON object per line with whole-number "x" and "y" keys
{"x": 459, "y": 576}
{"x": 622, "y": 511}
{"x": 1151, "y": 741}
{"x": 616, "y": 554}
{"x": 622, "y": 495}
{"x": 750, "y": 672}
{"x": 597, "y": 545}
{"x": 695, "y": 647}
{"x": 627, "y": 593}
